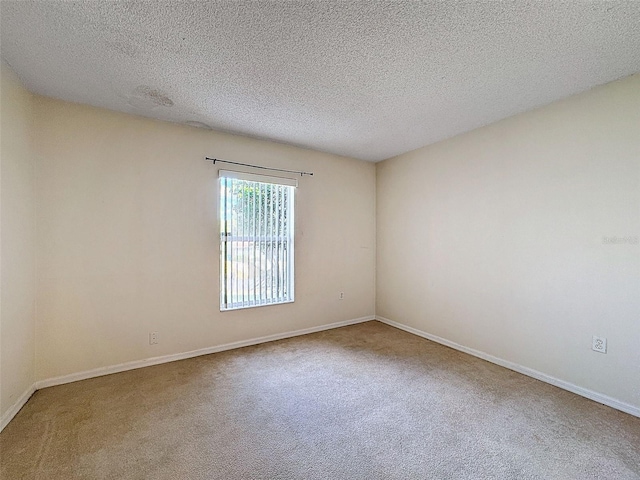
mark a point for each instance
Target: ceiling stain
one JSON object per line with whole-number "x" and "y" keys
{"x": 146, "y": 96}
{"x": 123, "y": 48}
{"x": 197, "y": 124}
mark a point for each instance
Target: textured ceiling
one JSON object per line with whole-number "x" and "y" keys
{"x": 364, "y": 79}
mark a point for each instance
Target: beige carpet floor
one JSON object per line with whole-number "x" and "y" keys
{"x": 361, "y": 402}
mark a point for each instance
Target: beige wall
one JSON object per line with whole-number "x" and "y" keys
{"x": 128, "y": 239}
{"x": 494, "y": 239}
{"x": 17, "y": 242}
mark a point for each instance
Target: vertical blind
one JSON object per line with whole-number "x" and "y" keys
{"x": 256, "y": 240}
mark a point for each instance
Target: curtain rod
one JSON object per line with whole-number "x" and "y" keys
{"x": 214, "y": 160}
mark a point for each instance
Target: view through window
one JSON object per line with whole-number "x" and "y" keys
{"x": 256, "y": 240}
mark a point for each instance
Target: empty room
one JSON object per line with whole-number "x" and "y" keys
{"x": 319, "y": 239}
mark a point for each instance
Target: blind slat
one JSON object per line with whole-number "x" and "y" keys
{"x": 255, "y": 230}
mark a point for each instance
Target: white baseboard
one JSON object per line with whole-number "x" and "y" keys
{"x": 122, "y": 367}
{"x": 15, "y": 408}
{"x": 590, "y": 394}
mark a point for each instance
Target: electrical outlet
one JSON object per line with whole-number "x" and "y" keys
{"x": 341, "y": 296}
{"x": 153, "y": 338}
{"x": 599, "y": 344}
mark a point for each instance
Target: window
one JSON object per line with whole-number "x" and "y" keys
{"x": 256, "y": 240}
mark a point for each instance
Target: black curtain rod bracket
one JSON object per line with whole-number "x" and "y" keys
{"x": 214, "y": 160}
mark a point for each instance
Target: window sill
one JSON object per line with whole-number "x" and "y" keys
{"x": 244, "y": 307}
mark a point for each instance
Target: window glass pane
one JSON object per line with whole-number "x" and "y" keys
{"x": 256, "y": 243}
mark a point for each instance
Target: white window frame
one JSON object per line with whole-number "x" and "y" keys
{"x": 236, "y": 293}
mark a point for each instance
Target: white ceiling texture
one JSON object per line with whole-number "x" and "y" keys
{"x": 365, "y": 79}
